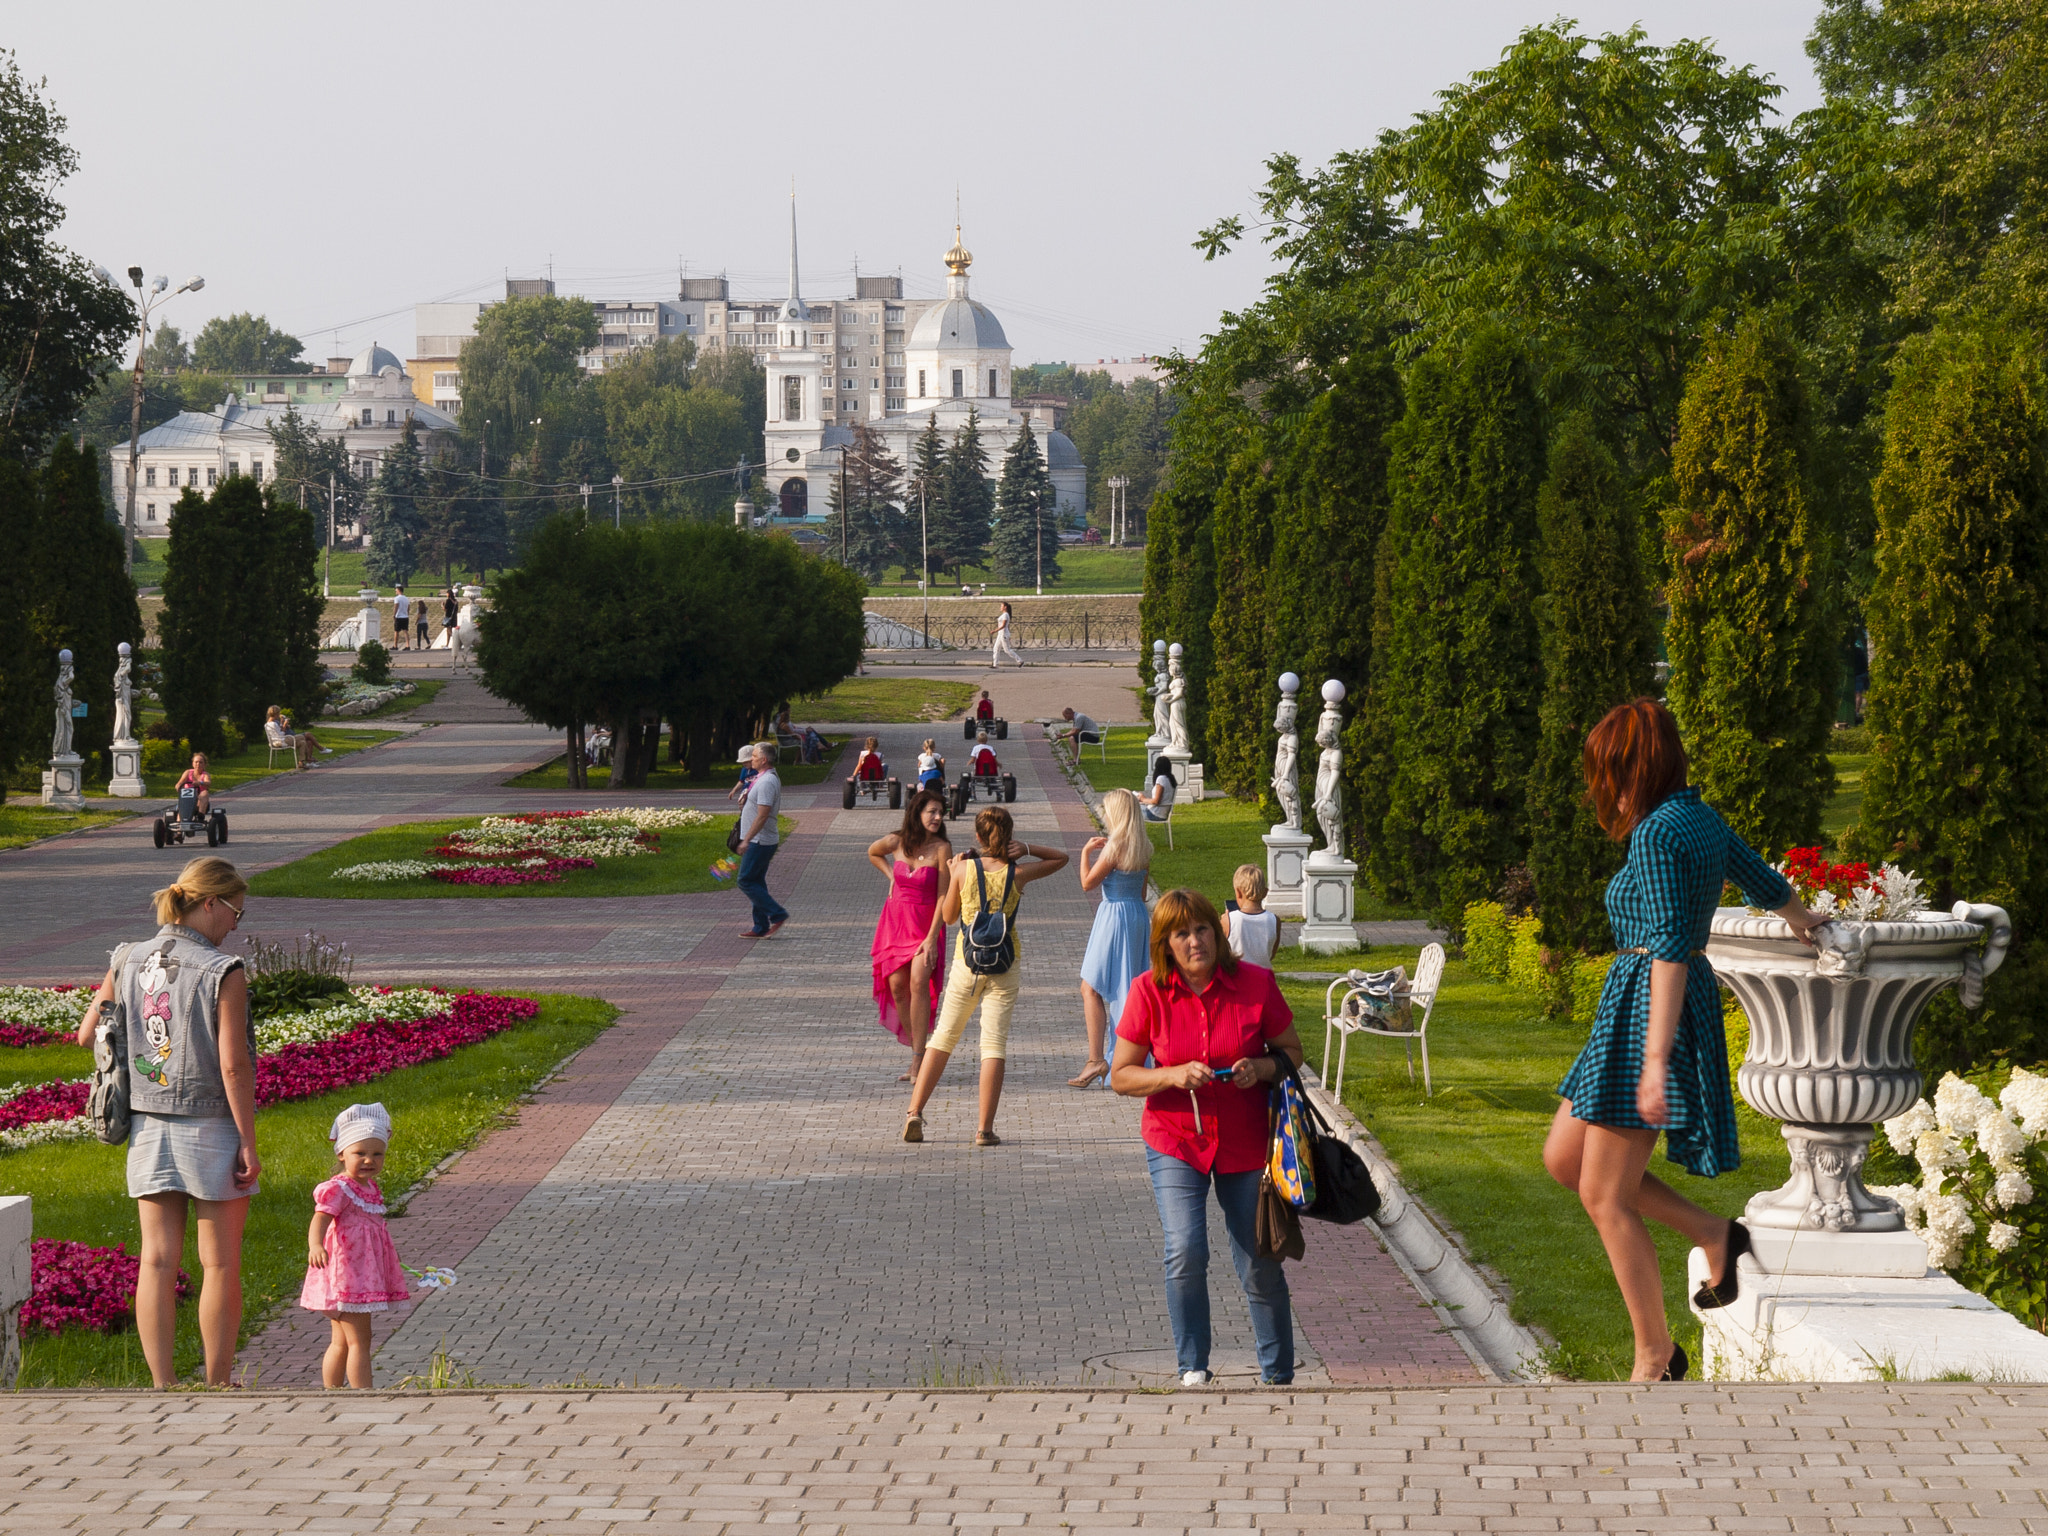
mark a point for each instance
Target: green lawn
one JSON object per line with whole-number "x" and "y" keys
{"x": 554, "y": 774}
{"x": 348, "y": 577}
{"x": 1473, "y": 1153}
{"x": 684, "y": 864}
{"x": 1845, "y": 807}
{"x": 80, "y": 1187}
{"x": 426, "y": 690}
{"x": 884, "y": 701}
{"x": 1083, "y": 571}
{"x": 254, "y": 761}
{"x": 25, "y": 819}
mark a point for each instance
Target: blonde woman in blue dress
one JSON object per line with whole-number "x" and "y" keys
{"x": 1119, "y": 945}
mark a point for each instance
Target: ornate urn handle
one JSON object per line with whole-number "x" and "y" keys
{"x": 1997, "y": 925}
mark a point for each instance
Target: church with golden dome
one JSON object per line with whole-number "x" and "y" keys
{"x": 954, "y": 359}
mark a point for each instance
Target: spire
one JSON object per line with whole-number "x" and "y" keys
{"x": 793, "y": 309}
{"x": 958, "y": 260}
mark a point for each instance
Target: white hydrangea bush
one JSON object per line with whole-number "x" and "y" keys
{"x": 1981, "y": 1161}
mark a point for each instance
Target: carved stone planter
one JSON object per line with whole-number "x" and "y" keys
{"x": 1831, "y": 1053}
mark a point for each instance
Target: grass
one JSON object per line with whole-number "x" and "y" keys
{"x": 348, "y": 577}
{"x": 426, "y": 689}
{"x": 80, "y": 1187}
{"x": 1845, "y": 807}
{"x": 1473, "y": 1153}
{"x": 27, "y": 820}
{"x": 885, "y": 701}
{"x": 684, "y": 864}
{"x": 1084, "y": 570}
{"x": 253, "y": 761}
{"x": 668, "y": 776}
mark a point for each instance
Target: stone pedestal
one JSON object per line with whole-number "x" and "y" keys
{"x": 1173, "y": 760}
{"x": 64, "y": 782}
{"x": 1327, "y": 904}
{"x": 17, "y": 1225}
{"x": 1154, "y": 745}
{"x": 1286, "y": 853}
{"x": 1191, "y": 785}
{"x": 127, "y": 771}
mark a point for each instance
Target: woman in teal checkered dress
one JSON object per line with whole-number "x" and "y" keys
{"x": 1657, "y": 1058}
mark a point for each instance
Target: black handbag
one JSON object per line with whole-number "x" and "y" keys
{"x": 1345, "y": 1191}
{"x": 991, "y": 941}
{"x": 732, "y": 838}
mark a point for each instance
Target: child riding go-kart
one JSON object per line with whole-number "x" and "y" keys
{"x": 984, "y": 719}
{"x": 184, "y": 820}
{"x": 985, "y": 777}
{"x": 871, "y": 778}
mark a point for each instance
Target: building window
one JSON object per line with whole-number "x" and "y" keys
{"x": 959, "y": 384}
{"x": 172, "y": 476}
{"x": 991, "y": 383}
{"x": 366, "y": 415}
{"x": 256, "y": 470}
{"x": 895, "y": 317}
{"x": 212, "y": 476}
{"x": 149, "y": 475}
{"x": 792, "y": 399}
{"x": 234, "y": 468}
{"x": 920, "y": 383}
{"x": 391, "y": 417}
{"x": 152, "y": 512}
{"x": 302, "y": 389}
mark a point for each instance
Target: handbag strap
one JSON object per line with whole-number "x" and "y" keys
{"x": 1317, "y": 1125}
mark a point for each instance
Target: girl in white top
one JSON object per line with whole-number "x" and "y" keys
{"x": 1253, "y": 932}
{"x": 1002, "y": 646}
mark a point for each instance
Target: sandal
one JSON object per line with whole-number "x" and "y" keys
{"x": 1095, "y": 1068}
{"x": 916, "y": 1061}
{"x": 987, "y": 1139}
{"x": 913, "y": 1128}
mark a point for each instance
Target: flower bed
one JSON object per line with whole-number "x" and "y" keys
{"x": 76, "y": 1285}
{"x": 534, "y": 849}
{"x": 31, "y": 1016}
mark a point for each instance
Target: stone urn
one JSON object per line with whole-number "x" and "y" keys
{"x": 1831, "y": 1053}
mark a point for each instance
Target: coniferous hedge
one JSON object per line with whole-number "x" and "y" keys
{"x": 1240, "y": 692}
{"x": 1751, "y": 637}
{"x": 1180, "y": 591}
{"x": 1958, "y": 617}
{"x": 1026, "y": 545}
{"x": 1455, "y": 681}
{"x": 1598, "y": 644}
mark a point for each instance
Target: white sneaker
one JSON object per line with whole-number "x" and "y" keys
{"x": 1194, "y": 1378}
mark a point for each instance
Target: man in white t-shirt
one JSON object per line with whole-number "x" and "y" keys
{"x": 759, "y": 838}
{"x": 401, "y": 621}
{"x": 1159, "y": 804}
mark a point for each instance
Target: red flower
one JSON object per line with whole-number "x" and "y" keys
{"x": 45, "y": 1101}
{"x": 71, "y": 1284}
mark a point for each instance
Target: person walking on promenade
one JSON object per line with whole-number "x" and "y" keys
{"x": 190, "y": 1058}
{"x": 1119, "y": 863}
{"x": 401, "y": 620}
{"x": 352, "y": 1268}
{"x": 969, "y": 893}
{"x": 909, "y": 950}
{"x": 759, "y": 839}
{"x": 1209, "y": 1025}
{"x": 1002, "y": 647}
{"x": 1656, "y": 1058}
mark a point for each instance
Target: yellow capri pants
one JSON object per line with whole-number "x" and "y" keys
{"x": 998, "y": 998}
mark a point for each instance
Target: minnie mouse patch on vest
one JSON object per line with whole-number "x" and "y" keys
{"x": 159, "y": 971}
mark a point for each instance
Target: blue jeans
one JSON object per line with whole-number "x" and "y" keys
{"x": 1182, "y": 1193}
{"x": 753, "y": 879}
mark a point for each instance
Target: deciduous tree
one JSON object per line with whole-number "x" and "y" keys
{"x": 247, "y": 343}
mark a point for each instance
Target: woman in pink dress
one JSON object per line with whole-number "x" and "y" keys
{"x": 910, "y": 937}
{"x": 352, "y": 1268}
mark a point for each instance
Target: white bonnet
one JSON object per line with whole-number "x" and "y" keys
{"x": 360, "y": 1122}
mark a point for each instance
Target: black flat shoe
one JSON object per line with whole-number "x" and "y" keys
{"x": 1676, "y": 1367}
{"x": 1709, "y": 1295}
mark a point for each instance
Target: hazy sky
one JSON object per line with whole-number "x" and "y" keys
{"x": 332, "y": 166}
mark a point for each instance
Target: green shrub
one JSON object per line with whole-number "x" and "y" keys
{"x": 373, "y": 664}
{"x": 1588, "y": 976}
{"x": 1489, "y": 940}
{"x": 160, "y": 756}
{"x": 290, "y": 991}
{"x": 1526, "y": 969}
{"x": 231, "y": 738}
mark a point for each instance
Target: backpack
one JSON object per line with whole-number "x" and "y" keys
{"x": 106, "y": 1106}
{"x": 990, "y": 942}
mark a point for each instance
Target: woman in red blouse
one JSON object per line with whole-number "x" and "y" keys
{"x": 1206, "y": 1019}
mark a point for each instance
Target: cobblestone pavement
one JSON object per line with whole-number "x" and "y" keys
{"x": 1763, "y": 1458}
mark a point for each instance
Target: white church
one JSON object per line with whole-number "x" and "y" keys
{"x": 955, "y": 358}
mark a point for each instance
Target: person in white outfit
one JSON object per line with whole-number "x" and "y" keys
{"x": 1252, "y": 932}
{"x": 1002, "y": 646}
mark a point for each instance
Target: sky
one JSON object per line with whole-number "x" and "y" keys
{"x": 331, "y": 168}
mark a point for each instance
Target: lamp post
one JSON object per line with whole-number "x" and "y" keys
{"x": 618, "y": 494}
{"x": 1116, "y": 484}
{"x": 144, "y": 303}
{"x": 585, "y": 488}
{"x": 924, "y": 542}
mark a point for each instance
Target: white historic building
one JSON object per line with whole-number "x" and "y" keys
{"x": 199, "y": 449}
{"x": 955, "y": 359}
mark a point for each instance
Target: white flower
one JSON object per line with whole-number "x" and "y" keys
{"x": 1902, "y": 1130}
{"x": 44, "y": 1131}
{"x": 1823, "y": 904}
{"x": 1937, "y": 1152}
{"x": 1902, "y": 894}
{"x": 363, "y": 1005}
{"x": 1998, "y": 1138}
{"x": 389, "y": 869}
{"x": 1957, "y": 1104}
{"x": 41, "y": 1008}
{"x": 2003, "y": 1236}
{"x": 2012, "y": 1188}
{"x": 2026, "y": 1099}
{"x": 1866, "y": 904}
{"x": 1907, "y": 1196}
{"x": 1949, "y": 1228}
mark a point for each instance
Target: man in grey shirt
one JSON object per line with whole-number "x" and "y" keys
{"x": 1085, "y": 728}
{"x": 759, "y": 840}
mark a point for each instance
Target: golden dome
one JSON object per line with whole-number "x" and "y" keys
{"x": 959, "y": 258}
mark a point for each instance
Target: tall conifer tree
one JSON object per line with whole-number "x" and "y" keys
{"x": 397, "y": 519}
{"x": 20, "y": 709}
{"x": 1240, "y": 693}
{"x": 200, "y": 574}
{"x": 873, "y": 487}
{"x": 1026, "y": 546}
{"x": 924, "y": 497}
{"x": 970, "y": 499}
{"x": 1453, "y": 689}
{"x": 1753, "y": 659}
{"x": 1599, "y": 648}
{"x": 82, "y": 598}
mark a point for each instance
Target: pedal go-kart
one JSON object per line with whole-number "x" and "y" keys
{"x": 183, "y": 820}
{"x": 998, "y": 730}
{"x": 873, "y": 782}
{"x": 998, "y": 786}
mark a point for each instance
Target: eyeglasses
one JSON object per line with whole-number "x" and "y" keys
{"x": 232, "y": 907}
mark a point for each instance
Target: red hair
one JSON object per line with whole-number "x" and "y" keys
{"x": 1633, "y": 760}
{"x": 1185, "y": 909}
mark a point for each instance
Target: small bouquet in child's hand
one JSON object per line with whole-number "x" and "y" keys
{"x": 725, "y": 868}
{"x": 432, "y": 1278}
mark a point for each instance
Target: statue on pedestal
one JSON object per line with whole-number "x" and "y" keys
{"x": 1330, "y": 770}
{"x": 60, "y": 742}
{"x": 1177, "y": 707}
{"x": 124, "y": 698}
{"x": 1160, "y": 703}
{"x": 1287, "y": 755}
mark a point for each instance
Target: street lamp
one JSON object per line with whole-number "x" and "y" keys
{"x": 618, "y": 493}
{"x": 1116, "y": 484}
{"x": 585, "y": 488}
{"x": 144, "y": 303}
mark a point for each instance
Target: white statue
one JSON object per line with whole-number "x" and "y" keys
{"x": 1330, "y": 770}
{"x": 124, "y": 698}
{"x": 1287, "y": 755}
{"x": 1177, "y": 705}
{"x": 60, "y": 743}
{"x": 1160, "y": 703}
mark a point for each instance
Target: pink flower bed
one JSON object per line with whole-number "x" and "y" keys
{"x": 491, "y": 874}
{"x": 368, "y": 1051}
{"x": 73, "y": 1285}
{"x": 45, "y": 1101}
{"x": 21, "y": 1035}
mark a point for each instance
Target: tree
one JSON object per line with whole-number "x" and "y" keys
{"x": 397, "y": 520}
{"x": 924, "y": 499}
{"x": 960, "y": 531}
{"x": 1750, "y": 635}
{"x": 167, "y": 352}
{"x": 20, "y": 709}
{"x": 61, "y": 319}
{"x": 1958, "y": 618}
{"x": 311, "y": 466}
{"x": 1598, "y": 645}
{"x": 874, "y": 486}
{"x": 1239, "y": 693}
{"x": 1026, "y": 546}
{"x": 463, "y": 523}
{"x": 524, "y": 349}
{"x": 201, "y": 571}
{"x": 247, "y": 343}
{"x": 1452, "y": 686}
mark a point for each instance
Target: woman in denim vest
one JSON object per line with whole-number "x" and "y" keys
{"x": 191, "y": 1062}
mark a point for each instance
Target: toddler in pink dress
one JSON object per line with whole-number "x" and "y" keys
{"x": 352, "y": 1268}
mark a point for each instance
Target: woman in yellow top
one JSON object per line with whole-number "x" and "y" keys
{"x": 996, "y": 863}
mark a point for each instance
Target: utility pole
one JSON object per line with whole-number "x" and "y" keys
{"x": 618, "y": 495}
{"x": 924, "y": 540}
{"x": 845, "y": 511}
{"x": 327, "y": 575}
{"x": 1038, "y": 538}
{"x": 1115, "y": 485}
{"x": 586, "y": 500}
{"x": 143, "y": 304}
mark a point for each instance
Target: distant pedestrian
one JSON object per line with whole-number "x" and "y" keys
{"x": 1252, "y": 932}
{"x": 760, "y": 838}
{"x": 352, "y": 1268}
{"x": 450, "y": 613}
{"x": 990, "y": 980}
{"x": 190, "y": 1060}
{"x": 1209, "y": 1025}
{"x": 909, "y": 951}
{"x": 419, "y": 622}
{"x": 1119, "y": 943}
{"x": 1002, "y": 646}
{"x": 401, "y": 621}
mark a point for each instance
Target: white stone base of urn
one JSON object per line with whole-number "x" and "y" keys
{"x": 64, "y": 783}
{"x": 1885, "y": 1255}
{"x": 1327, "y": 895}
{"x": 127, "y": 782}
{"x": 1862, "y": 1328}
{"x": 1286, "y": 851}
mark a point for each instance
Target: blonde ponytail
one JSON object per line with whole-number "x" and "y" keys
{"x": 198, "y": 882}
